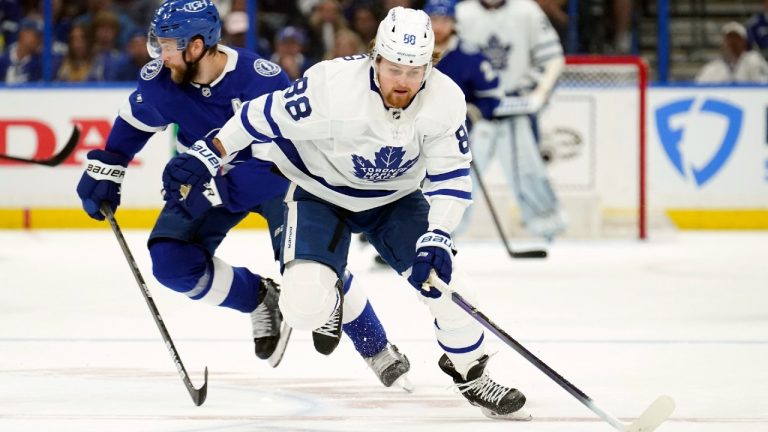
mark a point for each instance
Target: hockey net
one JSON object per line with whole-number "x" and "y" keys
{"x": 592, "y": 134}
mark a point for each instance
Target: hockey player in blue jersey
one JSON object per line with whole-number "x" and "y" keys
{"x": 464, "y": 63}
{"x": 198, "y": 84}
{"x": 374, "y": 144}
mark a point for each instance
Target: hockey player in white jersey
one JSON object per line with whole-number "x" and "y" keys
{"x": 357, "y": 136}
{"x": 524, "y": 49}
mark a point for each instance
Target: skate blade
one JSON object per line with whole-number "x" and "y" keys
{"x": 282, "y": 344}
{"x": 520, "y": 415}
{"x": 405, "y": 383}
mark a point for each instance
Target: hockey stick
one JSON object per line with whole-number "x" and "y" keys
{"x": 649, "y": 420}
{"x": 536, "y": 253}
{"x": 55, "y": 159}
{"x": 198, "y": 395}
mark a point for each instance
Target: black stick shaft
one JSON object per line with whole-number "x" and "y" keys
{"x": 56, "y": 159}
{"x": 497, "y": 222}
{"x": 198, "y": 395}
{"x": 548, "y": 371}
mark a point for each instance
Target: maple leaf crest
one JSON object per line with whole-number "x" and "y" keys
{"x": 387, "y": 164}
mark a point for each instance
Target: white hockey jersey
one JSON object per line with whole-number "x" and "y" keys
{"x": 331, "y": 134}
{"x": 517, "y": 38}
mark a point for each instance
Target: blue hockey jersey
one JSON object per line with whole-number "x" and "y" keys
{"x": 473, "y": 73}
{"x": 198, "y": 110}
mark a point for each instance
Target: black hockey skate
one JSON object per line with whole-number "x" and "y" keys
{"x": 327, "y": 337}
{"x": 270, "y": 334}
{"x": 495, "y": 400}
{"x": 390, "y": 366}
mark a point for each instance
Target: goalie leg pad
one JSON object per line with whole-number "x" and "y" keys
{"x": 527, "y": 175}
{"x": 309, "y": 295}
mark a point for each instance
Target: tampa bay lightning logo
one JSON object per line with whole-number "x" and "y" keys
{"x": 151, "y": 69}
{"x": 387, "y": 164}
{"x": 266, "y": 68}
{"x": 671, "y": 138}
{"x": 497, "y": 53}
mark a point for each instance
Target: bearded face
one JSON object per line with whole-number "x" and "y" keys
{"x": 399, "y": 83}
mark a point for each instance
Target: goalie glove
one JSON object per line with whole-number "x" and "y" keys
{"x": 434, "y": 251}
{"x": 101, "y": 181}
{"x": 190, "y": 180}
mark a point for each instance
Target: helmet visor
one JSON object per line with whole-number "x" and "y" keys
{"x": 156, "y": 46}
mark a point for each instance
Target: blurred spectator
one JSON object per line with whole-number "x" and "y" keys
{"x": 10, "y": 16}
{"x": 105, "y": 29}
{"x": 325, "y": 21}
{"x": 622, "y": 26}
{"x": 96, "y": 6}
{"x": 347, "y": 43}
{"x": 757, "y": 30}
{"x": 127, "y": 66}
{"x": 289, "y": 46}
{"x": 21, "y": 62}
{"x": 139, "y": 11}
{"x": 365, "y": 22}
{"x": 77, "y": 64}
{"x": 235, "y": 29}
{"x": 389, "y": 4}
{"x": 736, "y": 63}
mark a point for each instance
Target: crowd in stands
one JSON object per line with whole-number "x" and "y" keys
{"x": 104, "y": 40}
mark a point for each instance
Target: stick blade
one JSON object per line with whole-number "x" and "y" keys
{"x": 199, "y": 395}
{"x": 654, "y": 415}
{"x": 529, "y": 254}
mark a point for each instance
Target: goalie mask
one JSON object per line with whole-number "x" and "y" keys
{"x": 405, "y": 37}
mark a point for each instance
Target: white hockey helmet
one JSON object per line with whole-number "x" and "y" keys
{"x": 405, "y": 37}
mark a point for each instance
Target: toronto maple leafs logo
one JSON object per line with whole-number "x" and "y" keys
{"x": 387, "y": 164}
{"x": 497, "y": 53}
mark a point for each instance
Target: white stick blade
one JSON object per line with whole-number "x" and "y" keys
{"x": 653, "y": 416}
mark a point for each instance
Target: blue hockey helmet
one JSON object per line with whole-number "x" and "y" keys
{"x": 183, "y": 20}
{"x": 441, "y": 7}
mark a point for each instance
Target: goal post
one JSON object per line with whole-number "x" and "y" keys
{"x": 593, "y": 134}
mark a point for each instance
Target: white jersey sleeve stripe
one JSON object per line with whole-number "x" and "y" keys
{"x": 449, "y": 175}
{"x": 546, "y": 44}
{"x": 126, "y": 114}
{"x": 451, "y": 192}
{"x": 249, "y": 126}
{"x": 268, "y": 116}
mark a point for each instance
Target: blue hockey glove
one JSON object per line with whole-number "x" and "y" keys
{"x": 434, "y": 251}
{"x": 190, "y": 182}
{"x": 104, "y": 172}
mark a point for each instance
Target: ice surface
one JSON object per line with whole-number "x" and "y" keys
{"x": 625, "y": 321}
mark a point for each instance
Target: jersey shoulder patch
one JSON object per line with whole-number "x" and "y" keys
{"x": 266, "y": 68}
{"x": 151, "y": 69}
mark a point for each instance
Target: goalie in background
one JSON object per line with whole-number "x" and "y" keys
{"x": 525, "y": 51}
